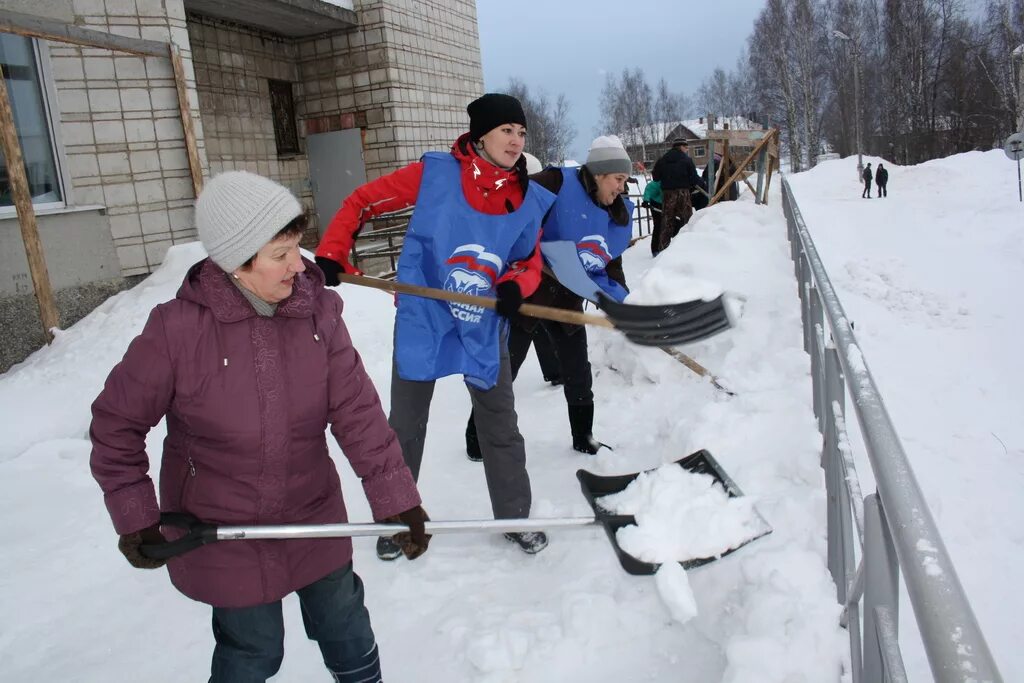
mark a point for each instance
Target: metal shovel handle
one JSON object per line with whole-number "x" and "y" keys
{"x": 202, "y": 533}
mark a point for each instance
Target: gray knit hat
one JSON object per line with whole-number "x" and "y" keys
{"x": 607, "y": 155}
{"x": 238, "y": 212}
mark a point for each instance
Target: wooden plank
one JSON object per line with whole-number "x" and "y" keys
{"x": 752, "y": 190}
{"x": 26, "y": 215}
{"x": 48, "y": 29}
{"x": 741, "y": 167}
{"x": 560, "y": 315}
{"x": 768, "y": 179}
{"x": 194, "y": 164}
{"x": 721, "y": 170}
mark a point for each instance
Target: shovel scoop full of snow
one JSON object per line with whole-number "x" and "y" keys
{"x": 643, "y": 542}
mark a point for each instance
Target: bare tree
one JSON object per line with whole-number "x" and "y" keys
{"x": 669, "y": 109}
{"x": 627, "y": 108}
{"x": 548, "y": 129}
{"x": 933, "y": 79}
{"x": 772, "y": 63}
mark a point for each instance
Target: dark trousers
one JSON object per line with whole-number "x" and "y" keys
{"x": 867, "y": 190}
{"x": 250, "y": 640}
{"x": 547, "y": 356}
{"x": 571, "y": 348}
{"x": 676, "y": 204}
{"x": 497, "y": 426}
{"x": 658, "y": 226}
{"x": 881, "y": 190}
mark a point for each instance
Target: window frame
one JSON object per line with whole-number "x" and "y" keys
{"x": 48, "y": 94}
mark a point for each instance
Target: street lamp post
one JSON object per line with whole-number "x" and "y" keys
{"x": 856, "y": 95}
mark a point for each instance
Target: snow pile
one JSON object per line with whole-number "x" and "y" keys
{"x": 681, "y": 515}
{"x": 674, "y": 589}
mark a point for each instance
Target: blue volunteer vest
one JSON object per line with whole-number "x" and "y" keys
{"x": 450, "y": 245}
{"x": 576, "y": 218}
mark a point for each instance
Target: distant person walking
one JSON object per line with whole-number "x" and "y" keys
{"x": 866, "y": 176}
{"x": 881, "y": 180}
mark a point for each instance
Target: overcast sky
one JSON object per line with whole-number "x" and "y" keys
{"x": 573, "y": 43}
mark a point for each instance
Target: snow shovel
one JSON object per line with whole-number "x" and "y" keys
{"x": 595, "y": 486}
{"x": 200, "y": 533}
{"x": 664, "y": 325}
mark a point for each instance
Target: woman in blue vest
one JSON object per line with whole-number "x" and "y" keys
{"x": 475, "y": 229}
{"x": 591, "y": 211}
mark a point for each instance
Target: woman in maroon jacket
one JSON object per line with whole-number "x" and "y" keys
{"x": 250, "y": 363}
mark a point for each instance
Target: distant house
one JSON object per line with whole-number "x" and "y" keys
{"x": 646, "y": 144}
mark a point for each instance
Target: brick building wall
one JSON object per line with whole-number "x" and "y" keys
{"x": 233, "y": 66}
{"x": 405, "y": 76}
{"x": 121, "y": 131}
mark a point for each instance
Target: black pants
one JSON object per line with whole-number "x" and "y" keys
{"x": 866, "y": 194}
{"x": 881, "y": 190}
{"x": 547, "y": 356}
{"x": 571, "y": 348}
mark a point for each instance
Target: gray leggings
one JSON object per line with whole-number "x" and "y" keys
{"x": 497, "y": 427}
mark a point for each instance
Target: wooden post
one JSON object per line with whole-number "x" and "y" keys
{"x": 194, "y": 164}
{"x": 48, "y": 29}
{"x": 26, "y": 215}
{"x": 768, "y": 180}
{"x": 746, "y": 162}
{"x": 721, "y": 170}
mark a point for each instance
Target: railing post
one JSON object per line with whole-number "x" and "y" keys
{"x": 833, "y": 483}
{"x": 817, "y": 368}
{"x": 881, "y": 584}
{"x": 834, "y": 376}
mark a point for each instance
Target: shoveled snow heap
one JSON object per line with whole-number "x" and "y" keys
{"x": 681, "y": 515}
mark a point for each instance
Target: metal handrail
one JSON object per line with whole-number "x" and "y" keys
{"x": 953, "y": 641}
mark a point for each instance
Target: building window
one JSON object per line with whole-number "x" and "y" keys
{"x": 20, "y": 65}
{"x": 699, "y": 151}
{"x": 282, "y": 106}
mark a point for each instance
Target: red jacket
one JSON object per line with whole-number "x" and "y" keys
{"x": 488, "y": 189}
{"x": 247, "y": 400}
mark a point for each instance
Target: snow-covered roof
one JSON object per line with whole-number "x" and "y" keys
{"x": 659, "y": 132}
{"x": 699, "y": 126}
{"x": 655, "y": 132}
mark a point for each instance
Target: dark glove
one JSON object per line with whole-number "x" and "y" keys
{"x": 510, "y": 298}
{"x": 331, "y": 270}
{"x": 129, "y": 547}
{"x": 413, "y": 542}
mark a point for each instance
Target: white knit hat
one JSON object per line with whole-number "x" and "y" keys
{"x": 607, "y": 155}
{"x": 533, "y": 164}
{"x": 238, "y": 212}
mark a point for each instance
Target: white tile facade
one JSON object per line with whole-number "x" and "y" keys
{"x": 404, "y": 76}
{"x": 121, "y": 128}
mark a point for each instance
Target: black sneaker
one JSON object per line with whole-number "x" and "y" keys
{"x": 387, "y": 549}
{"x": 531, "y": 542}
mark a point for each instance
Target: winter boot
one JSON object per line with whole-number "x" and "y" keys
{"x": 387, "y": 549}
{"x": 472, "y": 443}
{"x": 531, "y": 542}
{"x": 581, "y": 421}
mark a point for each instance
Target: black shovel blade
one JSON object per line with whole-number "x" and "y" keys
{"x": 674, "y": 336}
{"x": 595, "y": 486}
{"x": 667, "y": 324}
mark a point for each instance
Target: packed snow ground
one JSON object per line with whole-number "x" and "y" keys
{"x": 474, "y": 608}
{"x": 932, "y": 276}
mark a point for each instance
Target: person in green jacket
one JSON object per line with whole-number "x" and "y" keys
{"x": 652, "y": 202}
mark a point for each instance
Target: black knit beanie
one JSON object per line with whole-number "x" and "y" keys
{"x": 490, "y": 111}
